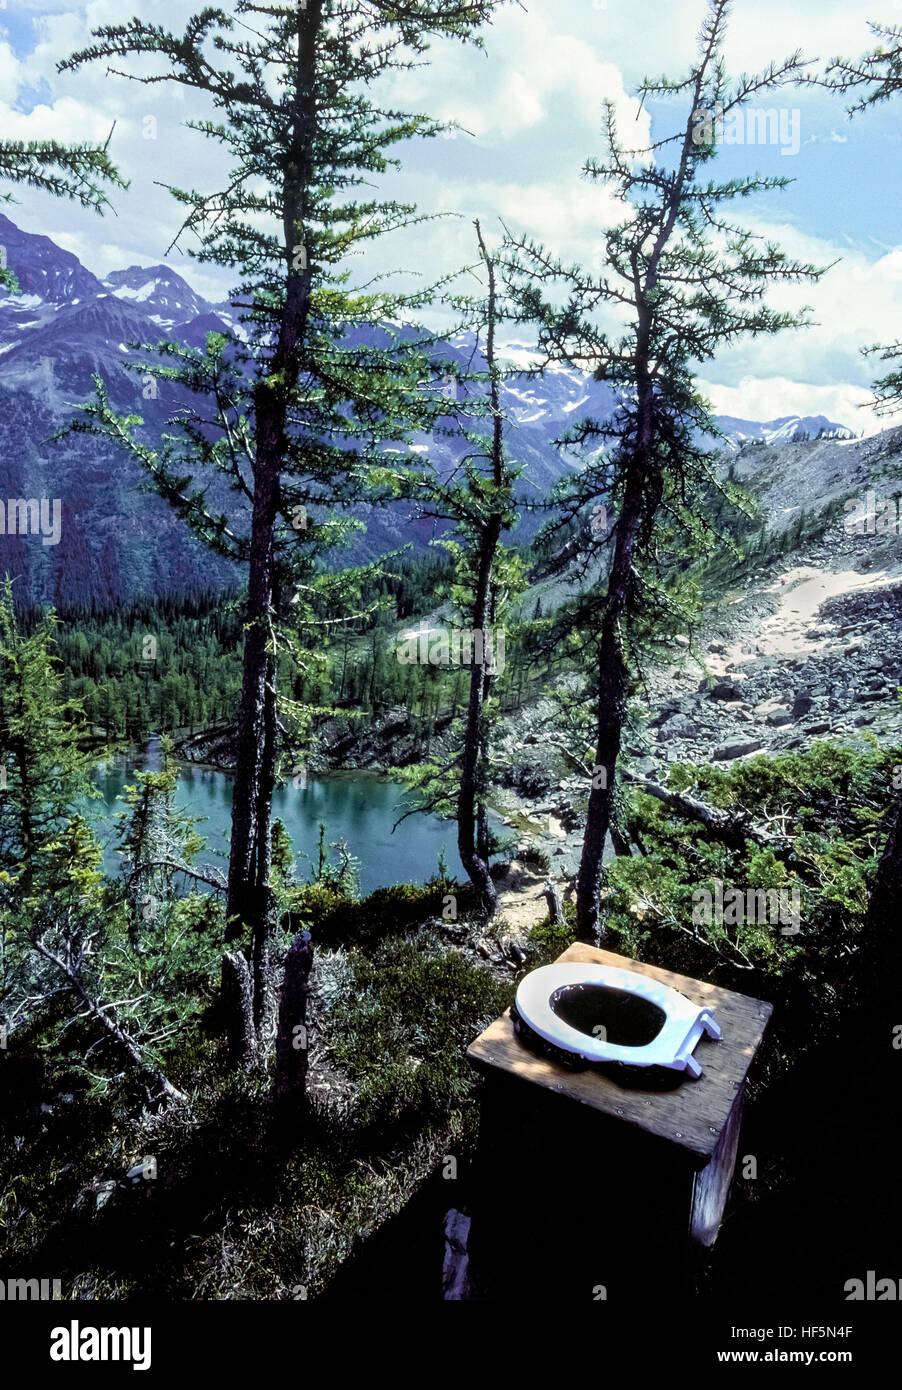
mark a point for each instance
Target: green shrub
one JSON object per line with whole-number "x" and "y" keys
{"x": 534, "y": 857}
{"x": 387, "y": 912}
{"x": 403, "y": 1033}
{"x": 832, "y": 802}
{"x": 548, "y": 939}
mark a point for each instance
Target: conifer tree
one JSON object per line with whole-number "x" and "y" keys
{"x": 301, "y": 411}
{"x": 478, "y": 498}
{"x": 43, "y": 769}
{"x": 686, "y": 282}
{"x": 123, "y": 960}
{"x": 42, "y": 775}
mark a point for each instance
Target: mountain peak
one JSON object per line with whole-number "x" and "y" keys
{"x": 44, "y": 269}
{"x": 786, "y": 429}
{"x": 161, "y": 292}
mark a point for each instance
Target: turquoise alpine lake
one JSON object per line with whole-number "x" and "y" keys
{"x": 358, "y": 807}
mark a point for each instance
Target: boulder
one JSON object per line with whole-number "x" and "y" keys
{"x": 725, "y": 690}
{"x": 736, "y": 748}
{"x": 802, "y": 704}
{"x": 678, "y": 727}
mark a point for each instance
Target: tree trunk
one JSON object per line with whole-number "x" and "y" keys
{"x": 247, "y": 805}
{"x": 472, "y": 831}
{"x": 553, "y": 899}
{"x": 249, "y": 897}
{"x": 372, "y": 691}
{"x": 238, "y": 1005}
{"x": 344, "y": 662}
{"x": 610, "y": 695}
{"x": 265, "y": 996}
{"x": 469, "y": 805}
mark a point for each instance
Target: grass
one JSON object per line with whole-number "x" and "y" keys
{"x": 402, "y": 1031}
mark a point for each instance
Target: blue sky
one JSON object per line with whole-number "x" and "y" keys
{"x": 532, "y": 106}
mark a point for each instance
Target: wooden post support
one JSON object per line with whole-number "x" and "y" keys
{"x": 656, "y": 1156}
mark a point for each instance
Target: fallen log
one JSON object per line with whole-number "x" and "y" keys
{"x": 731, "y": 828}
{"x": 101, "y": 1015}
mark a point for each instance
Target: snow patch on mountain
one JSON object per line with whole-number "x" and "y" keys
{"x": 162, "y": 291}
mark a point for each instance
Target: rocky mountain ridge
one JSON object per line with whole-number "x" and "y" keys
{"x": 118, "y": 540}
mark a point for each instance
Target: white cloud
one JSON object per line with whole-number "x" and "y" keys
{"x": 84, "y": 106}
{"x": 770, "y": 398}
{"x": 533, "y": 102}
{"x": 567, "y": 214}
{"x": 532, "y": 74}
{"x": 856, "y": 303}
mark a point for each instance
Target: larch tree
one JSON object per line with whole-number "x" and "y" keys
{"x": 477, "y": 498}
{"x": 491, "y": 511}
{"x": 683, "y": 282}
{"x": 296, "y": 413}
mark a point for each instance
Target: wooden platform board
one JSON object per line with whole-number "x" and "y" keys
{"x": 694, "y": 1114}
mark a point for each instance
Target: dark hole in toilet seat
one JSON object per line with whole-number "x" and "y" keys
{"x": 628, "y": 1020}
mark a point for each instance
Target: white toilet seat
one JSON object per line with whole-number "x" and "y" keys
{"x": 683, "y": 1025}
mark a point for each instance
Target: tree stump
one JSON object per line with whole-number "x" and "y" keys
{"x": 238, "y": 1006}
{"x": 553, "y": 899}
{"x": 291, "y": 1036}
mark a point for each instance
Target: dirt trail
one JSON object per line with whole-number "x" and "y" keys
{"x": 521, "y": 902}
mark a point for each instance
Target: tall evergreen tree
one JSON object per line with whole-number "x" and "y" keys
{"x": 301, "y": 411}
{"x": 687, "y": 282}
{"x": 478, "y": 498}
{"x": 42, "y": 768}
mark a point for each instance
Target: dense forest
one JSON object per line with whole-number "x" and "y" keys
{"x": 172, "y": 665}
